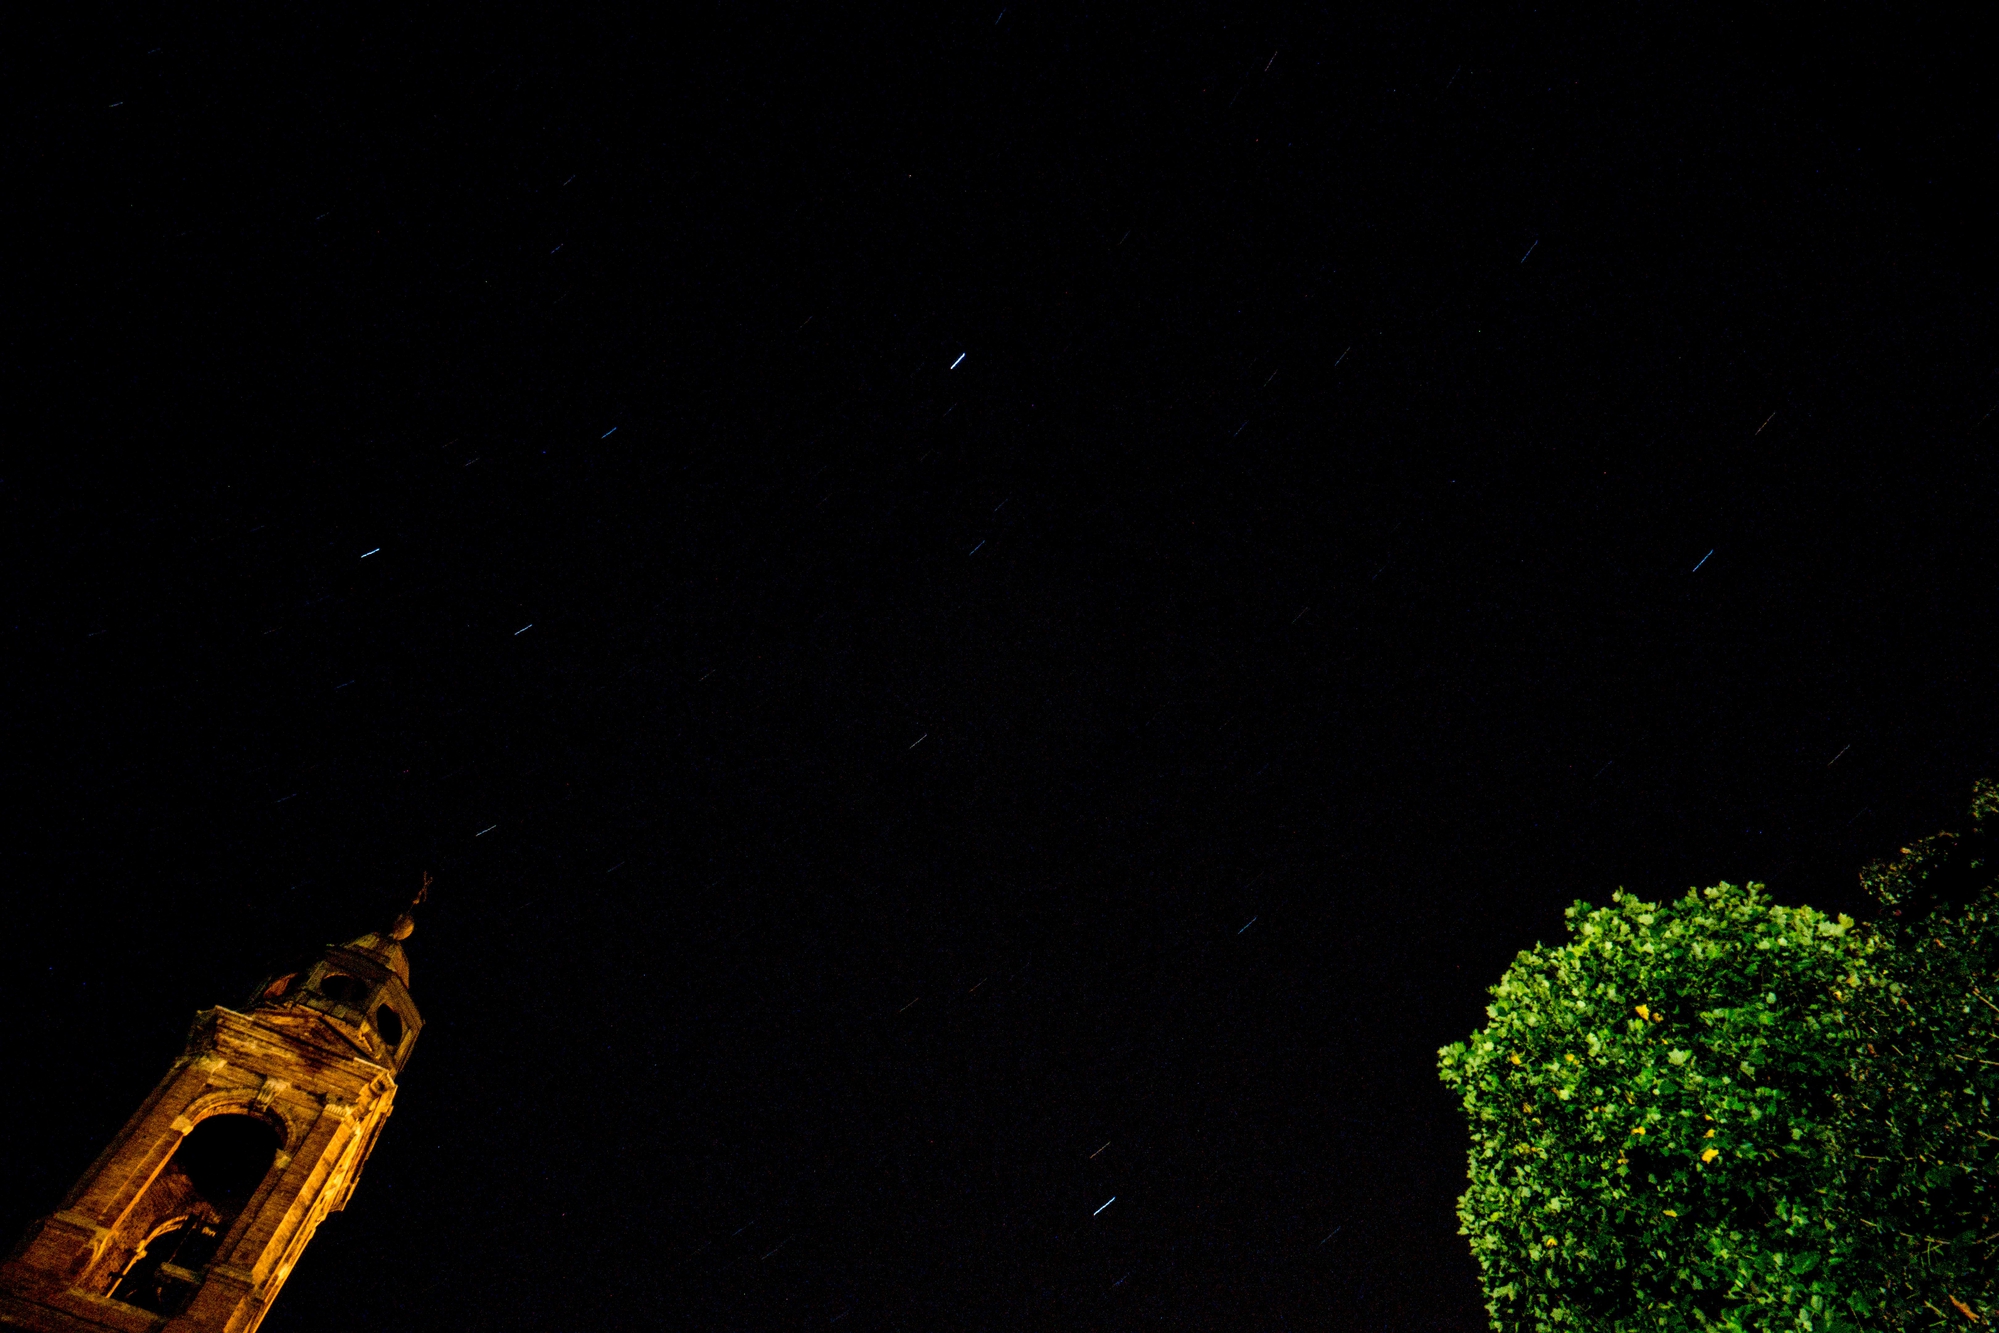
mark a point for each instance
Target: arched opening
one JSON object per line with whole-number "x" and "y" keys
{"x": 390, "y": 1024}
{"x": 226, "y": 1157}
{"x": 340, "y": 987}
{"x": 173, "y": 1230}
{"x": 154, "y": 1279}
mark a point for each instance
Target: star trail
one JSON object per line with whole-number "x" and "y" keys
{"x": 890, "y": 805}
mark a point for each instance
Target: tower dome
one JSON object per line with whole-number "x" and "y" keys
{"x": 357, "y": 991}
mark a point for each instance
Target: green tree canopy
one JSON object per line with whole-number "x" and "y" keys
{"x": 1724, "y": 1113}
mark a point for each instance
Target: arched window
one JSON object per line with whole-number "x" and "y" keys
{"x": 340, "y": 987}
{"x": 173, "y": 1230}
{"x": 163, "y": 1273}
{"x": 390, "y": 1024}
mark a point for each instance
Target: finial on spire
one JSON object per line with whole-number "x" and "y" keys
{"x": 405, "y": 924}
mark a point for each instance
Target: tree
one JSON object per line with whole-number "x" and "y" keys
{"x": 1922, "y": 1167}
{"x": 1724, "y": 1113}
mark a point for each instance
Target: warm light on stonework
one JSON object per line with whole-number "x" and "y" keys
{"x": 200, "y": 1207}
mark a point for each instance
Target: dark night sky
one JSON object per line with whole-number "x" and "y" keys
{"x": 1308, "y": 537}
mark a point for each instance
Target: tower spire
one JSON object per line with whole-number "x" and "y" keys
{"x": 405, "y": 922}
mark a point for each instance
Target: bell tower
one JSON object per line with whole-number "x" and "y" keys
{"x": 194, "y": 1215}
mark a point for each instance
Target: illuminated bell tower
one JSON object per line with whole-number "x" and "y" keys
{"x": 194, "y": 1215}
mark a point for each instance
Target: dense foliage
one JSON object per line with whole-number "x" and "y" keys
{"x": 1723, "y": 1113}
{"x": 1922, "y": 1166}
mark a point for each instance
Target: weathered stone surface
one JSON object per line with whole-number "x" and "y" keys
{"x": 194, "y": 1215}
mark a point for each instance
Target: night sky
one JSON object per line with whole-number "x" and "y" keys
{"x": 975, "y": 612}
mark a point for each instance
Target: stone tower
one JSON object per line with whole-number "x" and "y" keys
{"x": 193, "y": 1216}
